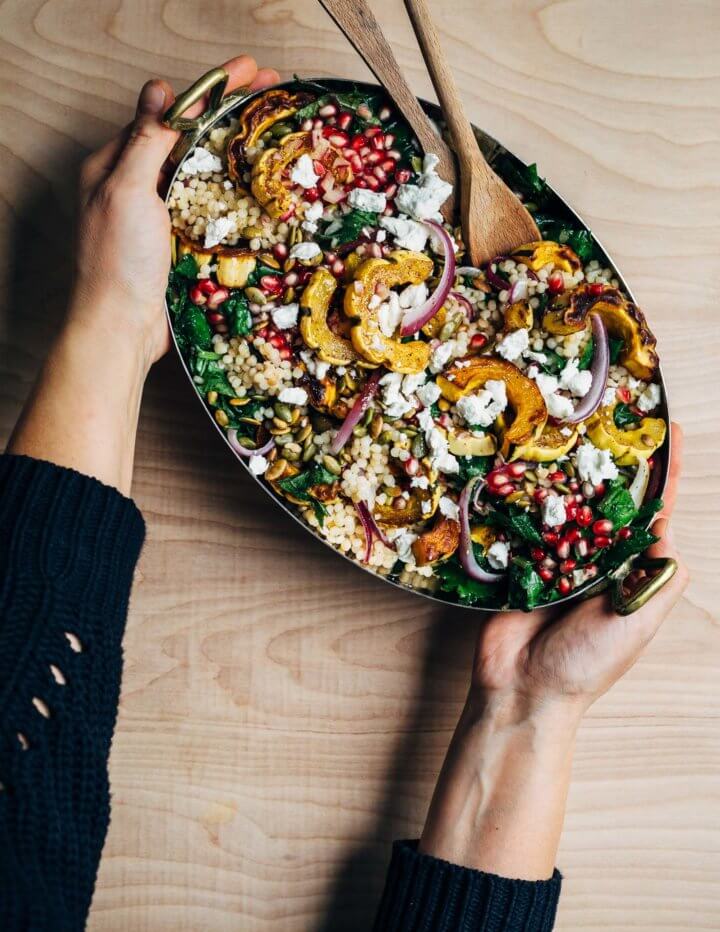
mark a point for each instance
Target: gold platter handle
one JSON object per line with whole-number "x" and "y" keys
{"x": 627, "y": 604}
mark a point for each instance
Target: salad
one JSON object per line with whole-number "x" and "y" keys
{"x": 485, "y": 434}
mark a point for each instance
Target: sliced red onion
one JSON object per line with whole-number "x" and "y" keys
{"x": 531, "y": 274}
{"x": 599, "y": 369}
{"x": 518, "y": 291}
{"x": 475, "y": 500}
{"x": 468, "y": 270}
{"x": 356, "y": 412}
{"x": 418, "y": 316}
{"x": 246, "y": 452}
{"x": 498, "y": 283}
{"x": 638, "y": 487}
{"x": 465, "y": 551}
{"x": 461, "y": 299}
{"x": 372, "y": 531}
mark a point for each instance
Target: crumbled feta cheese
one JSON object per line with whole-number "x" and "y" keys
{"x": 594, "y": 465}
{"x": 440, "y": 458}
{"x": 312, "y": 214}
{"x": 314, "y": 365}
{"x": 413, "y": 295}
{"x": 258, "y": 465}
{"x": 577, "y": 381}
{"x": 440, "y": 357}
{"x": 558, "y": 406}
{"x": 608, "y": 397}
{"x": 303, "y": 172}
{"x": 419, "y": 482}
{"x": 481, "y": 409}
{"x": 393, "y": 399}
{"x": 498, "y": 554}
{"x": 535, "y": 357}
{"x": 578, "y": 577}
{"x": 513, "y": 345}
{"x": 566, "y": 431}
{"x": 403, "y": 541}
{"x": 216, "y": 230}
{"x": 649, "y": 399}
{"x": 202, "y": 162}
{"x": 426, "y": 506}
{"x": 428, "y": 394}
{"x": 365, "y": 199}
{"x": 285, "y": 316}
{"x": 390, "y": 314}
{"x": 424, "y": 199}
{"x": 449, "y": 508}
{"x": 227, "y": 184}
{"x": 305, "y": 251}
{"x": 409, "y": 234}
{"x": 553, "y": 511}
{"x": 293, "y": 396}
{"x": 532, "y": 372}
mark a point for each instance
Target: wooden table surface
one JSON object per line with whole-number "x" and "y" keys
{"x": 284, "y": 715}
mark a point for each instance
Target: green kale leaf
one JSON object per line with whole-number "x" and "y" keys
{"x": 560, "y": 231}
{"x": 516, "y": 521}
{"x": 454, "y": 579}
{"x": 349, "y": 228}
{"x": 186, "y": 268}
{"x": 624, "y": 416}
{"x": 526, "y": 588}
{"x": 617, "y": 505}
{"x": 471, "y": 466}
{"x": 192, "y": 328}
{"x": 237, "y": 310}
{"x": 647, "y": 511}
{"x": 299, "y": 486}
{"x": 554, "y": 362}
{"x": 616, "y": 347}
{"x": 622, "y": 550}
{"x": 586, "y": 357}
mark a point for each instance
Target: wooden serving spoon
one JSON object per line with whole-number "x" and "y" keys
{"x": 360, "y": 27}
{"x": 493, "y": 220}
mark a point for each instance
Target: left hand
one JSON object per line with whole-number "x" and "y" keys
{"x": 124, "y": 245}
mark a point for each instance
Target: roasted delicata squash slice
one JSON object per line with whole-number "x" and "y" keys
{"x": 483, "y": 535}
{"x": 257, "y": 118}
{"x": 524, "y": 397}
{"x": 234, "y": 263}
{"x": 409, "y": 510}
{"x": 314, "y": 328}
{"x": 547, "y": 447}
{"x": 268, "y": 175}
{"x": 400, "y": 268}
{"x": 626, "y": 445}
{"x": 439, "y": 543}
{"x": 623, "y": 319}
{"x": 545, "y": 252}
{"x": 463, "y": 443}
{"x": 518, "y": 316}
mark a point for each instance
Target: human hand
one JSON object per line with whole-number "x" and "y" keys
{"x": 546, "y": 659}
{"x": 124, "y": 243}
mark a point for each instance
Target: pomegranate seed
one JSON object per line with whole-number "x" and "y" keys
{"x": 372, "y": 182}
{"x": 602, "y": 526}
{"x": 364, "y": 152}
{"x": 571, "y": 535}
{"x": 215, "y": 317}
{"x": 551, "y": 537}
{"x": 557, "y": 476}
{"x": 319, "y": 168}
{"x": 579, "y": 498}
{"x": 600, "y": 541}
{"x": 344, "y": 120}
{"x": 288, "y": 214}
{"x": 556, "y": 283}
{"x": 339, "y": 138}
{"x": 372, "y": 131}
{"x": 564, "y": 585}
{"x": 563, "y": 549}
{"x": 363, "y": 111}
{"x": 477, "y": 340}
{"x": 497, "y": 477}
{"x": 378, "y": 144}
{"x": 596, "y": 288}
{"x": 389, "y": 140}
{"x": 196, "y": 295}
{"x": 623, "y": 394}
{"x": 391, "y": 190}
{"x": 624, "y": 533}
{"x": 306, "y": 125}
{"x": 271, "y": 284}
{"x": 567, "y": 566}
{"x": 277, "y": 340}
{"x": 328, "y": 110}
{"x": 356, "y": 163}
{"x": 373, "y": 158}
{"x": 505, "y": 490}
{"x": 291, "y": 279}
{"x": 217, "y": 298}
{"x": 590, "y": 571}
{"x": 380, "y": 174}
{"x": 394, "y": 154}
{"x": 545, "y": 574}
{"x": 516, "y": 470}
{"x": 357, "y": 143}
{"x": 388, "y": 165}
{"x": 384, "y": 114}
{"x": 537, "y": 554}
{"x": 540, "y": 495}
{"x": 584, "y": 516}
{"x": 651, "y": 462}
{"x": 403, "y": 175}
{"x": 311, "y": 195}
{"x": 600, "y": 488}
{"x": 360, "y": 183}
{"x": 571, "y": 511}
{"x": 582, "y": 547}
{"x": 338, "y": 267}
{"x": 206, "y": 286}
{"x": 280, "y": 251}
{"x": 330, "y": 257}
{"x": 285, "y": 352}
{"x": 411, "y": 466}
{"x": 318, "y": 124}
{"x": 574, "y": 485}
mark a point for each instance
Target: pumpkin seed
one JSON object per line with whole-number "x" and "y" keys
{"x": 561, "y": 487}
{"x": 349, "y": 381}
{"x": 289, "y": 265}
{"x": 331, "y": 464}
{"x": 514, "y": 497}
{"x": 283, "y": 411}
{"x": 529, "y": 487}
{"x": 443, "y": 404}
{"x": 276, "y": 470}
{"x": 212, "y": 397}
{"x": 280, "y": 129}
{"x": 294, "y": 416}
{"x": 448, "y": 329}
{"x": 249, "y": 443}
{"x": 569, "y": 470}
{"x": 530, "y": 475}
{"x": 293, "y": 447}
{"x": 289, "y": 296}
{"x": 278, "y": 431}
{"x": 303, "y": 433}
{"x": 369, "y": 414}
{"x": 222, "y": 418}
{"x": 271, "y": 456}
{"x": 255, "y": 295}
{"x": 376, "y": 426}
{"x": 238, "y": 402}
{"x": 359, "y": 431}
{"x": 295, "y": 235}
{"x": 267, "y": 258}
{"x": 418, "y": 448}
{"x": 282, "y": 439}
{"x": 308, "y": 453}
{"x": 292, "y": 455}
{"x": 385, "y": 436}
{"x": 279, "y": 422}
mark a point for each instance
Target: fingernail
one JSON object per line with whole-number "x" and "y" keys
{"x": 152, "y": 98}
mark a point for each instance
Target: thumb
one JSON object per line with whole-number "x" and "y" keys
{"x": 149, "y": 142}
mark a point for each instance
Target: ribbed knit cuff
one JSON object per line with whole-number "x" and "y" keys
{"x": 423, "y": 893}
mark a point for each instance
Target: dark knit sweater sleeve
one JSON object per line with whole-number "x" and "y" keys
{"x": 68, "y": 548}
{"x": 425, "y": 894}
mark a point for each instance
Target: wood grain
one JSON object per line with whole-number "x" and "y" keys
{"x": 284, "y": 715}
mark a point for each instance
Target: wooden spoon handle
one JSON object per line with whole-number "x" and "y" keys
{"x": 359, "y": 25}
{"x": 466, "y": 145}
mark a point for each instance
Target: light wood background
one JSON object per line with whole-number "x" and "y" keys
{"x": 284, "y": 715}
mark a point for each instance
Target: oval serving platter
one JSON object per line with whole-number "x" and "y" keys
{"x": 517, "y": 174}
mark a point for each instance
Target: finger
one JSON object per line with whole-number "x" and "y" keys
{"x": 242, "y": 72}
{"x": 266, "y": 77}
{"x": 149, "y": 142}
